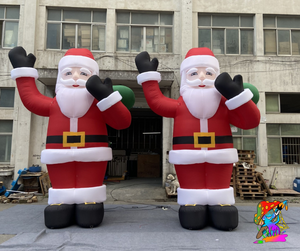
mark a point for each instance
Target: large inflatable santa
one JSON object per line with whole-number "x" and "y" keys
{"x": 77, "y": 148}
{"x": 203, "y": 153}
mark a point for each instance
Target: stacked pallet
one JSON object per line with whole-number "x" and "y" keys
{"x": 19, "y": 198}
{"x": 246, "y": 181}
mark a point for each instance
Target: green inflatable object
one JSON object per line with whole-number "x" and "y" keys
{"x": 127, "y": 94}
{"x": 254, "y": 90}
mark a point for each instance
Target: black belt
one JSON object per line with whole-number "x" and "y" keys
{"x": 76, "y": 139}
{"x": 202, "y": 140}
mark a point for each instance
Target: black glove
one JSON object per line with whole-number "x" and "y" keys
{"x": 144, "y": 64}
{"x": 98, "y": 89}
{"x": 19, "y": 58}
{"x": 227, "y": 87}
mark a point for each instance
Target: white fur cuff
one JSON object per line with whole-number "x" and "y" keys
{"x": 239, "y": 100}
{"x": 77, "y": 195}
{"x": 148, "y": 76}
{"x": 192, "y": 196}
{"x": 221, "y": 196}
{"x": 24, "y": 72}
{"x": 108, "y": 102}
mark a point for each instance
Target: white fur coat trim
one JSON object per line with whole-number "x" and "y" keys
{"x": 205, "y": 196}
{"x": 220, "y": 156}
{"x": 91, "y": 154}
{"x": 77, "y": 195}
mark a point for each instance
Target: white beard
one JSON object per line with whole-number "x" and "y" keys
{"x": 74, "y": 102}
{"x": 202, "y": 103}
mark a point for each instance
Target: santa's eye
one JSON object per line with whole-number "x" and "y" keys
{"x": 194, "y": 73}
{"x": 83, "y": 73}
{"x": 209, "y": 73}
{"x": 68, "y": 73}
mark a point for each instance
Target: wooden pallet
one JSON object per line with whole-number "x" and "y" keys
{"x": 246, "y": 172}
{"x": 22, "y": 198}
{"x": 246, "y": 152}
{"x": 244, "y": 165}
{"x": 245, "y": 178}
{"x": 247, "y": 160}
{"x": 253, "y": 195}
{"x": 284, "y": 192}
{"x": 45, "y": 183}
{"x": 249, "y": 187}
{"x": 233, "y": 180}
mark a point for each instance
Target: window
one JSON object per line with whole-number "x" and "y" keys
{"x": 9, "y": 26}
{"x": 5, "y": 140}
{"x": 7, "y": 97}
{"x": 150, "y": 32}
{"x": 245, "y": 139}
{"x": 283, "y": 103}
{"x": 76, "y": 29}
{"x": 283, "y": 143}
{"x": 281, "y": 35}
{"x": 225, "y": 34}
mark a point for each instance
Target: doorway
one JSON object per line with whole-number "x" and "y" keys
{"x": 137, "y": 150}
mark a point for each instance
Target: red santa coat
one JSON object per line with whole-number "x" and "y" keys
{"x": 193, "y": 138}
{"x": 93, "y": 146}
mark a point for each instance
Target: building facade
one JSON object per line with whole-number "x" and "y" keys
{"x": 256, "y": 39}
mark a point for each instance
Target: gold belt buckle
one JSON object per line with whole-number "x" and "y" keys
{"x": 76, "y": 144}
{"x": 204, "y": 134}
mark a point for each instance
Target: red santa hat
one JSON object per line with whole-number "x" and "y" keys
{"x": 79, "y": 57}
{"x": 200, "y": 57}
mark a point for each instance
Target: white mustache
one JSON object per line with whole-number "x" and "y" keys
{"x": 71, "y": 82}
{"x": 197, "y": 82}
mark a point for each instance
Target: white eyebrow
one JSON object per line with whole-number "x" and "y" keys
{"x": 192, "y": 70}
{"x": 66, "y": 70}
{"x": 211, "y": 70}
{"x": 85, "y": 70}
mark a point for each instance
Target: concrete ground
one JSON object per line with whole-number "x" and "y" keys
{"x": 146, "y": 192}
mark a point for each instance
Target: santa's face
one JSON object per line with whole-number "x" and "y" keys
{"x": 199, "y": 93}
{"x": 72, "y": 96}
{"x": 201, "y": 77}
{"x": 73, "y": 76}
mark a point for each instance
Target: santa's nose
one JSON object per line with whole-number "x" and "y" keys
{"x": 201, "y": 75}
{"x": 75, "y": 76}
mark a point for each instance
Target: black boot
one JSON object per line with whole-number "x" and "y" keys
{"x": 193, "y": 217}
{"x": 89, "y": 215}
{"x": 223, "y": 217}
{"x": 59, "y": 215}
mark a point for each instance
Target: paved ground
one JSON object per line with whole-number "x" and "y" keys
{"x": 147, "y": 195}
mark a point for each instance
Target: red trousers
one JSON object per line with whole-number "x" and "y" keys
{"x": 77, "y": 174}
{"x": 204, "y": 176}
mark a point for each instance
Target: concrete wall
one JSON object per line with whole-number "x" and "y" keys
{"x": 264, "y": 72}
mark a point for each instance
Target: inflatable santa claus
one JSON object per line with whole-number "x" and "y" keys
{"x": 203, "y": 153}
{"x": 77, "y": 148}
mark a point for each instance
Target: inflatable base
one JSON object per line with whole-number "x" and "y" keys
{"x": 223, "y": 217}
{"x": 193, "y": 217}
{"x": 59, "y": 216}
{"x": 89, "y": 215}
